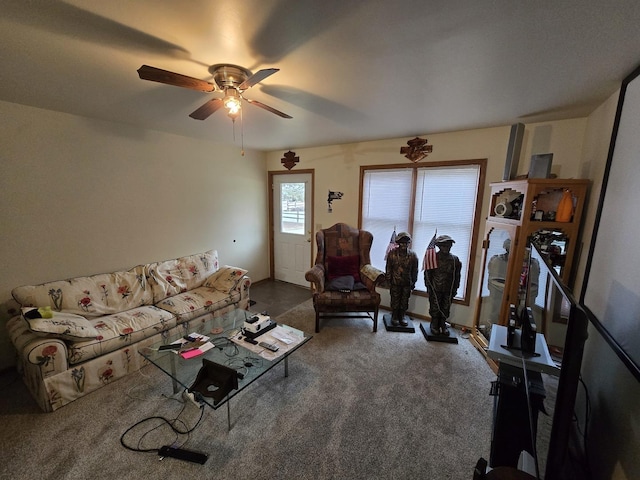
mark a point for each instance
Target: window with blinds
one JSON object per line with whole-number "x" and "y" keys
{"x": 422, "y": 200}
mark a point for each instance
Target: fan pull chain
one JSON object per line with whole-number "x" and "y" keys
{"x": 233, "y": 122}
{"x": 241, "y": 133}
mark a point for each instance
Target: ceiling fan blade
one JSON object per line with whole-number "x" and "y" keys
{"x": 207, "y": 109}
{"x": 145, "y": 72}
{"x": 268, "y": 108}
{"x": 257, "y": 77}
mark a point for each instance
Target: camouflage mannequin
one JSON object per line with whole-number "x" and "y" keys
{"x": 401, "y": 275}
{"x": 442, "y": 284}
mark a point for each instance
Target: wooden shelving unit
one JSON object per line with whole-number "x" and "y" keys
{"x": 522, "y": 210}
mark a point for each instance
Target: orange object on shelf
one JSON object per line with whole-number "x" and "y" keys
{"x": 565, "y": 207}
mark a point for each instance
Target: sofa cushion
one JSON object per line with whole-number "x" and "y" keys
{"x": 358, "y": 300}
{"x": 121, "y": 329}
{"x": 226, "y": 278}
{"x": 199, "y": 301}
{"x": 93, "y": 296}
{"x": 179, "y": 275}
{"x": 67, "y": 326}
{"x": 344, "y": 284}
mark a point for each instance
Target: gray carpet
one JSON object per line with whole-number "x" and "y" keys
{"x": 356, "y": 405}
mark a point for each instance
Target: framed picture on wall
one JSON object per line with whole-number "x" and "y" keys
{"x": 540, "y": 166}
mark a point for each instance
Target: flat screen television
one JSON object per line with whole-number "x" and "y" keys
{"x": 610, "y": 291}
{"x": 564, "y": 325}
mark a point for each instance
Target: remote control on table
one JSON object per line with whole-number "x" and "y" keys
{"x": 170, "y": 346}
{"x": 269, "y": 346}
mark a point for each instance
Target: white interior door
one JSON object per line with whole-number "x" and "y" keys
{"x": 292, "y": 227}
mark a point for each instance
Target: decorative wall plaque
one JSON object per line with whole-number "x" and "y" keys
{"x": 417, "y": 149}
{"x": 289, "y": 160}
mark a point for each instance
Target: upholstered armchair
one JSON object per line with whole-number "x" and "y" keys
{"x": 343, "y": 279}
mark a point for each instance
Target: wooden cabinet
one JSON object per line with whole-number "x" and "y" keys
{"x": 522, "y": 211}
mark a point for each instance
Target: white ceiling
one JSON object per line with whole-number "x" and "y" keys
{"x": 349, "y": 70}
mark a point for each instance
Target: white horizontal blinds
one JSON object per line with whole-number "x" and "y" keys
{"x": 386, "y": 203}
{"x": 446, "y": 200}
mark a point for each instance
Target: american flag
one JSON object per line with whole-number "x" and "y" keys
{"x": 429, "y": 262}
{"x": 392, "y": 244}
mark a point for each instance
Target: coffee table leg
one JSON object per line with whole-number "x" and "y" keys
{"x": 173, "y": 375}
{"x": 228, "y": 415}
{"x": 286, "y": 366}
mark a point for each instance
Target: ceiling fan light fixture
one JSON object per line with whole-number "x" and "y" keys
{"x": 232, "y": 102}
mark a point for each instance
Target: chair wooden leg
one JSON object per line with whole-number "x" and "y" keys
{"x": 317, "y": 321}
{"x": 375, "y": 320}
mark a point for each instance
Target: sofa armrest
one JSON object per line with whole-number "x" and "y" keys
{"x": 371, "y": 276}
{"x": 49, "y": 353}
{"x": 316, "y": 276}
{"x": 242, "y": 287}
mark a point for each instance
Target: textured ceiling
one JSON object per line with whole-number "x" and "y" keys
{"x": 349, "y": 70}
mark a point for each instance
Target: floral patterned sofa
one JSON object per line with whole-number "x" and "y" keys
{"x": 91, "y": 331}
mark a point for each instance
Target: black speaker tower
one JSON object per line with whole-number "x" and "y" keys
{"x": 513, "y": 152}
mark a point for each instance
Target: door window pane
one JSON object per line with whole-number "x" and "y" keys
{"x": 292, "y": 208}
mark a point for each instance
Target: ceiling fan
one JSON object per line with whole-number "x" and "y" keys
{"x": 231, "y": 80}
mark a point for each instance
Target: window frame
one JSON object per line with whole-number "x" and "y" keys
{"x": 481, "y": 163}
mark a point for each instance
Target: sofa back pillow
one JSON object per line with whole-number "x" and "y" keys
{"x": 93, "y": 296}
{"x": 171, "y": 277}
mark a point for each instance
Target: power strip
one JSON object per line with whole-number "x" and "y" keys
{"x": 190, "y": 396}
{"x": 182, "y": 454}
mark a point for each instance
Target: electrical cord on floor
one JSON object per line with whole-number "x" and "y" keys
{"x": 137, "y": 385}
{"x": 163, "y": 421}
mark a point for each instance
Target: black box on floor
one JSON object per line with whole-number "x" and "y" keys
{"x": 511, "y": 433}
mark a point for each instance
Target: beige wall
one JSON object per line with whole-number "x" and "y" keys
{"x": 337, "y": 168}
{"x": 81, "y": 196}
{"x": 592, "y": 166}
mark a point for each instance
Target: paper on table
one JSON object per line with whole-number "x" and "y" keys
{"x": 283, "y": 338}
{"x": 191, "y": 353}
{"x": 197, "y": 351}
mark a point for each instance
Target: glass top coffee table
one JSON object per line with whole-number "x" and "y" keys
{"x": 226, "y": 346}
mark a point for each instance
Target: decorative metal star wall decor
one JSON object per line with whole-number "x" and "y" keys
{"x": 289, "y": 160}
{"x": 417, "y": 149}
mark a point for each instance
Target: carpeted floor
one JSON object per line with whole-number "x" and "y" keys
{"x": 356, "y": 405}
